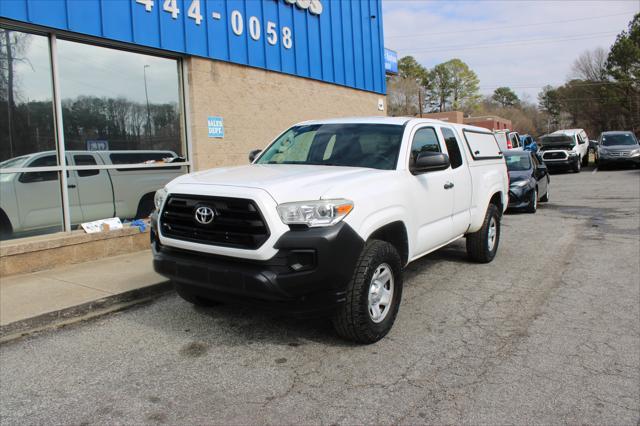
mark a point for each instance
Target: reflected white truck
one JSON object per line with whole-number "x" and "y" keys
{"x": 31, "y": 202}
{"x": 325, "y": 219}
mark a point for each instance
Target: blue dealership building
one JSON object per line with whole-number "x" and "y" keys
{"x": 207, "y": 80}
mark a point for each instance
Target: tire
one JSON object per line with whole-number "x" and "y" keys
{"x": 6, "y": 230}
{"x": 585, "y": 160}
{"x": 355, "y": 319}
{"x": 185, "y": 293}
{"x": 479, "y": 247}
{"x": 533, "y": 202}
{"x": 545, "y": 197}
{"x": 577, "y": 166}
{"x": 145, "y": 206}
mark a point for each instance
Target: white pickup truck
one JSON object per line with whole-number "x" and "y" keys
{"x": 325, "y": 219}
{"x": 30, "y": 201}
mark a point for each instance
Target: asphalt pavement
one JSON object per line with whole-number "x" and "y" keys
{"x": 549, "y": 333}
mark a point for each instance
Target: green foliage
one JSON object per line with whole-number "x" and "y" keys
{"x": 408, "y": 67}
{"x": 623, "y": 63}
{"x": 452, "y": 85}
{"x": 505, "y": 97}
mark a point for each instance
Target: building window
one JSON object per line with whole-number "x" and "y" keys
{"x": 118, "y": 100}
{"x": 122, "y": 127}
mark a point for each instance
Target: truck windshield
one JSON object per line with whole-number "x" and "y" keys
{"x": 619, "y": 139}
{"x": 352, "y": 145}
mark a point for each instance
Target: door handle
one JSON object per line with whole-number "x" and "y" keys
{"x": 448, "y": 185}
{"x": 71, "y": 186}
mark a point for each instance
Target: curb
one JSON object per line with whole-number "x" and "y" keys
{"x": 83, "y": 312}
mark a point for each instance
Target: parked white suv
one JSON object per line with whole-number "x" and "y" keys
{"x": 325, "y": 219}
{"x": 568, "y": 149}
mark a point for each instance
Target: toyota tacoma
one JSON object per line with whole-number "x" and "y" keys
{"x": 324, "y": 220}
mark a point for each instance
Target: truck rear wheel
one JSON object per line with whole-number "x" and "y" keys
{"x": 145, "y": 206}
{"x": 482, "y": 245}
{"x": 373, "y": 295}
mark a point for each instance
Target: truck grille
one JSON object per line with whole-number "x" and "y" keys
{"x": 557, "y": 155}
{"x": 236, "y": 222}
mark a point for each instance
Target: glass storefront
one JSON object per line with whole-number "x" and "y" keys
{"x": 122, "y": 122}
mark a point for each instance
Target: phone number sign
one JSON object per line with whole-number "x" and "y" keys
{"x": 337, "y": 41}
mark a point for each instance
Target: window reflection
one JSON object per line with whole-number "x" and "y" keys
{"x": 117, "y": 100}
{"x": 39, "y": 205}
{"x": 26, "y": 106}
{"x": 118, "y": 108}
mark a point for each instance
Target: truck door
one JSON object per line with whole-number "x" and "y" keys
{"x": 431, "y": 195}
{"x": 461, "y": 178}
{"x": 39, "y": 199}
{"x": 94, "y": 188}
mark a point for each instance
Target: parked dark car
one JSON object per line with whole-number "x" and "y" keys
{"x": 529, "y": 180}
{"x": 617, "y": 148}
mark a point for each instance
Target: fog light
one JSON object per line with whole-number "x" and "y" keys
{"x": 301, "y": 260}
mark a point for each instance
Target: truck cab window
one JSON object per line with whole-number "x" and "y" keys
{"x": 86, "y": 160}
{"x": 46, "y": 161}
{"x": 424, "y": 140}
{"x": 455, "y": 156}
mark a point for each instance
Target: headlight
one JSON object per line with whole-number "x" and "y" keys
{"x": 635, "y": 152}
{"x": 519, "y": 183}
{"x": 314, "y": 213}
{"x": 158, "y": 199}
{"x": 573, "y": 154}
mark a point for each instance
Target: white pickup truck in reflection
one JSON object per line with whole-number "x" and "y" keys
{"x": 31, "y": 201}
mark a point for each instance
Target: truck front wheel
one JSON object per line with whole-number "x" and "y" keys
{"x": 373, "y": 295}
{"x": 482, "y": 245}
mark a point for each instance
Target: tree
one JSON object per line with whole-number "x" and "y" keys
{"x": 453, "y": 85}
{"x": 405, "y": 91}
{"x": 591, "y": 65}
{"x": 549, "y": 103}
{"x": 623, "y": 65}
{"x": 439, "y": 87}
{"x": 408, "y": 67}
{"x": 505, "y": 97}
{"x": 623, "y": 62}
{"x": 465, "y": 91}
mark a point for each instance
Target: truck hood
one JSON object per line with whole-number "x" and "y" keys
{"x": 620, "y": 148}
{"x": 284, "y": 182}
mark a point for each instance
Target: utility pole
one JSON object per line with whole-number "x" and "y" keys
{"x": 146, "y": 94}
{"x": 420, "y": 101}
{"x": 10, "y": 99}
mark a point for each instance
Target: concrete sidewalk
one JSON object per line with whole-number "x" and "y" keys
{"x": 38, "y": 300}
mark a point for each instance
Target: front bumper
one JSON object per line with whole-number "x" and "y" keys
{"x": 308, "y": 274}
{"x": 559, "y": 164}
{"x": 605, "y": 159}
{"x": 519, "y": 197}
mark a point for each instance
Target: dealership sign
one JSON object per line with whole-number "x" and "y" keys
{"x": 390, "y": 61}
{"x": 338, "y": 41}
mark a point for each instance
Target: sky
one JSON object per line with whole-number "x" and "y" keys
{"x": 521, "y": 44}
{"x": 87, "y": 70}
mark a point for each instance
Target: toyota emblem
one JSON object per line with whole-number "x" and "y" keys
{"x": 204, "y": 215}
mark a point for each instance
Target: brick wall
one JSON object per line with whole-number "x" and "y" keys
{"x": 257, "y": 105}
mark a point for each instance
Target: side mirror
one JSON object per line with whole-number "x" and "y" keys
{"x": 429, "y": 162}
{"x": 253, "y": 154}
{"x": 542, "y": 169}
